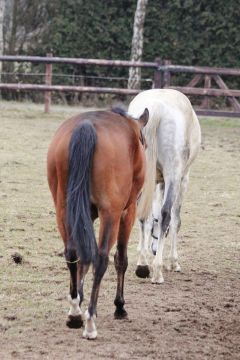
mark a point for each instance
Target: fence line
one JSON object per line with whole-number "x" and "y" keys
{"x": 109, "y": 90}
{"x": 162, "y": 75}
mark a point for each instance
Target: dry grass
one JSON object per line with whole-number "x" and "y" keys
{"x": 32, "y": 295}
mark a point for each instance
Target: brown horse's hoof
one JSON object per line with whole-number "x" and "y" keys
{"x": 74, "y": 322}
{"x": 120, "y": 314}
{"x": 142, "y": 271}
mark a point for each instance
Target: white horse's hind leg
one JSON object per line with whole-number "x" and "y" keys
{"x": 145, "y": 232}
{"x": 149, "y": 232}
{"x": 174, "y": 265}
{"x": 156, "y": 216}
{"x": 157, "y": 277}
{"x": 175, "y": 225}
{"x": 158, "y": 237}
{"x": 142, "y": 270}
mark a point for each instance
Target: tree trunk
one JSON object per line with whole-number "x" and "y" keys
{"x": 137, "y": 44}
{"x": 13, "y": 38}
{"x": 2, "y": 6}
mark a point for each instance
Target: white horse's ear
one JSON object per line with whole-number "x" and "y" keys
{"x": 143, "y": 119}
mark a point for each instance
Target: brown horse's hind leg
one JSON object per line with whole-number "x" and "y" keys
{"x": 121, "y": 260}
{"x": 74, "y": 319}
{"x": 75, "y": 314}
{"x": 109, "y": 226}
{"x": 121, "y": 263}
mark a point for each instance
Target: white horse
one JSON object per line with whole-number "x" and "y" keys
{"x": 173, "y": 138}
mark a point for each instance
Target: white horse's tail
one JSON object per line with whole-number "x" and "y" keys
{"x": 146, "y": 199}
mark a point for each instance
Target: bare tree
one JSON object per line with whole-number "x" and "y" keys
{"x": 137, "y": 44}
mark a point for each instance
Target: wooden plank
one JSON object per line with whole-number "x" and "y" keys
{"x": 217, "y": 113}
{"x": 89, "y": 89}
{"x": 234, "y": 102}
{"x": 195, "y": 80}
{"x": 209, "y": 92}
{"x": 77, "y": 61}
{"x": 104, "y": 62}
{"x": 200, "y": 70}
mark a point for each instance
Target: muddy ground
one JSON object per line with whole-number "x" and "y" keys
{"x": 193, "y": 315}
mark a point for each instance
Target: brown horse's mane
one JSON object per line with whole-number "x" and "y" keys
{"x": 122, "y": 112}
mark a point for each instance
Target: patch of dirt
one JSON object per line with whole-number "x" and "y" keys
{"x": 195, "y": 314}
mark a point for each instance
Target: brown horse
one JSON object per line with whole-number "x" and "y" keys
{"x": 96, "y": 168}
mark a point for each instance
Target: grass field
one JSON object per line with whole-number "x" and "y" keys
{"x": 193, "y": 315}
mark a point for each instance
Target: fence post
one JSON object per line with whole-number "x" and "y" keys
{"x": 158, "y": 78}
{"x": 48, "y": 81}
{"x": 207, "y": 85}
{"x": 166, "y": 74}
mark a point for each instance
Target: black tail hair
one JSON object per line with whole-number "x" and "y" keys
{"x": 79, "y": 222}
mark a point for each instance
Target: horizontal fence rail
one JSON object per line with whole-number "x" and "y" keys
{"x": 199, "y": 70}
{"x": 108, "y": 90}
{"x": 77, "y": 61}
{"x": 162, "y": 72}
{"x": 89, "y": 89}
{"x": 206, "y": 91}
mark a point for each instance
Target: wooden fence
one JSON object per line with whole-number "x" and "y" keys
{"x": 162, "y": 76}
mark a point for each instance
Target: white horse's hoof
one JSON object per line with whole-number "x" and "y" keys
{"x": 157, "y": 276}
{"x": 90, "y": 335}
{"x": 173, "y": 266}
{"x": 167, "y": 267}
{"x": 157, "y": 280}
{"x": 177, "y": 268}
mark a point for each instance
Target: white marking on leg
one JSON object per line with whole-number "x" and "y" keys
{"x": 158, "y": 244}
{"x": 74, "y": 306}
{"x": 174, "y": 265}
{"x": 90, "y": 331}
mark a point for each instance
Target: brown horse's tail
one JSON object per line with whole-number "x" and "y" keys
{"x": 79, "y": 222}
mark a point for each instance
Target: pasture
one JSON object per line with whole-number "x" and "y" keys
{"x": 195, "y": 314}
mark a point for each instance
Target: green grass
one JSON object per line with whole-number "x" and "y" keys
{"x": 220, "y": 122}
